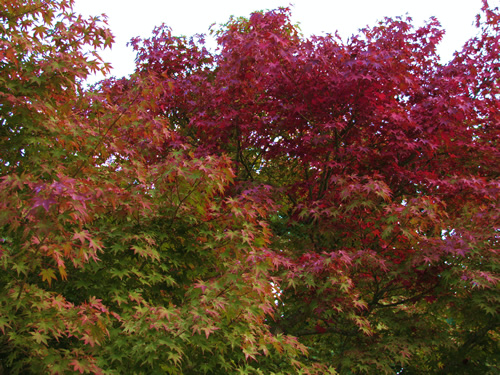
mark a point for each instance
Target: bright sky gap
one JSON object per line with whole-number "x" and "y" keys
{"x": 128, "y": 19}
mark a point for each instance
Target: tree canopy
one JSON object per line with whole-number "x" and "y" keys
{"x": 279, "y": 205}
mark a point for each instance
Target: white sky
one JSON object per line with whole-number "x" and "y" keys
{"x": 129, "y": 18}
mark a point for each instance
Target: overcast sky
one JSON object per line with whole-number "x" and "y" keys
{"x": 129, "y": 18}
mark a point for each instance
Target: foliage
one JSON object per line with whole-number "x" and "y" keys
{"x": 281, "y": 205}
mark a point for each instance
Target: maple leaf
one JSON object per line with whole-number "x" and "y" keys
{"x": 82, "y": 236}
{"x": 39, "y": 337}
{"x": 4, "y": 324}
{"x": 48, "y": 274}
{"x": 46, "y": 203}
{"x": 77, "y": 366}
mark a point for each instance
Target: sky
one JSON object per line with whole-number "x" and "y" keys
{"x": 131, "y": 18}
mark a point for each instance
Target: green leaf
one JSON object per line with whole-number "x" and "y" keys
{"x": 48, "y": 274}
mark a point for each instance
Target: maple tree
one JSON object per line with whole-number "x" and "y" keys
{"x": 281, "y": 205}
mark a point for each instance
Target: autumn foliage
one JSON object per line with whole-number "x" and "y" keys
{"x": 280, "y": 205}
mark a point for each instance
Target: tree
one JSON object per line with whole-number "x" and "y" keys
{"x": 122, "y": 250}
{"x": 282, "y": 205}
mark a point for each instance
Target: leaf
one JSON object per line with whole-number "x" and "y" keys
{"x": 77, "y": 366}
{"x": 48, "y": 274}
{"x": 39, "y": 337}
{"x": 4, "y": 323}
